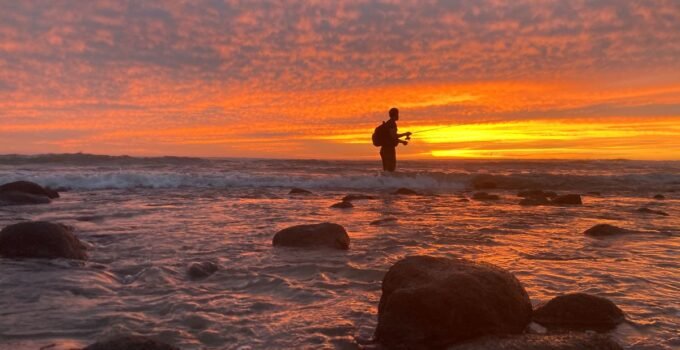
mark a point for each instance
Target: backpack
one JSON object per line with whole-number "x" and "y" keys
{"x": 381, "y": 135}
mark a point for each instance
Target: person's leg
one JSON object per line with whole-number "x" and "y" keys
{"x": 393, "y": 159}
{"x": 384, "y": 157}
{"x": 389, "y": 158}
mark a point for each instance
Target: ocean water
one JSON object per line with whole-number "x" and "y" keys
{"x": 145, "y": 220}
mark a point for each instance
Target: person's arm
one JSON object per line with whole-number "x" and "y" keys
{"x": 398, "y": 136}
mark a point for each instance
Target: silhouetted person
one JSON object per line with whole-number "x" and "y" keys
{"x": 388, "y": 151}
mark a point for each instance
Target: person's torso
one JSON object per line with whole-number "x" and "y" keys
{"x": 391, "y": 126}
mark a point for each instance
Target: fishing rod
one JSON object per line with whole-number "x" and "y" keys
{"x": 431, "y": 129}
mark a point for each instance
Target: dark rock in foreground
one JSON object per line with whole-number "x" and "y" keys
{"x": 430, "y": 302}
{"x": 579, "y": 311}
{"x": 483, "y": 196}
{"x": 203, "y": 269}
{"x": 577, "y": 341}
{"x": 384, "y": 221}
{"x": 29, "y": 188}
{"x": 343, "y": 205}
{"x": 130, "y": 343}
{"x": 406, "y": 191}
{"x": 40, "y": 239}
{"x": 296, "y": 190}
{"x": 602, "y": 230}
{"x": 659, "y": 197}
{"x": 354, "y": 197}
{"x": 327, "y": 235}
{"x": 567, "y": 199}
{"x": 652, "y": 211}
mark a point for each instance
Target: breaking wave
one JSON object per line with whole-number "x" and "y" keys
{"x": 429, "y": 181}
{"x": 94, "y": 172}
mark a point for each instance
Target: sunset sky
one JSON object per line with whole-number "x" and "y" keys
{"x": 311, "y": 79}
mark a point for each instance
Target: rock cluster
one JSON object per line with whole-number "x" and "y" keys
{"x": 435, "y": 303}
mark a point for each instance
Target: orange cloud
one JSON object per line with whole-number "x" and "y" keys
{"x": 311, "y": 79}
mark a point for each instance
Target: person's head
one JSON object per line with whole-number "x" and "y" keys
{"x": 394, "y": 114}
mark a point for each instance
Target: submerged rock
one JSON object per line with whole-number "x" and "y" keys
{"x": 483, "y": 196}
{"x": 131, "y": 342}
{"x": 574, "y": 341}
{"x": 652, "y": 211}
{"x": 354, "y": 197}
{"x": 659, "y": 197}
{"x": 326, "y": 234}
{"x": 567, "y": 199}
{"x": 429, "y": 302}
{"x": 29, "y": 188}
{"x": 579, "y": 311}
{"x": 40, "y": 239}
{"x": 297, "y": 190}
{"x": 384, "y": 221}
{"x": 203, "y": 269}
{"x": 602, "y": 230}
{"x": 343, "y": 205}
{"x": 406, "y": 191}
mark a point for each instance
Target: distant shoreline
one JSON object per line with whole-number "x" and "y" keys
{"x": 56, "y": 157}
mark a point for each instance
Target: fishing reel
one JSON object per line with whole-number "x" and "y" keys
{"x": 408, "y": 137}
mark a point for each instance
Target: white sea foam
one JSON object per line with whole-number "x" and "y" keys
{"x": 86, "y": 172}
{"x": 432, "y": 181}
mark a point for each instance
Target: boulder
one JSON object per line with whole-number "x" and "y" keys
{"x": 406, "y": 191}
{"x": 384, "y": 221}
{"x": 659, "y": 197}
{"x": 579, "y": 311}
{"x": 567, "y": 199}
{"x": 29, "y": 188}
{"x": 652, "y": 211}
{"x": 326, "y": 234}
{"x": 483, "y": 196}
{"x": 20, "y": 198}
{"x": 40, "y": 239}
{"x": 296, "y": 190}
{"x": 130, "y": 343}
{"x": 574, "y": 341}
{"x": 354, "y": 197}
{"x": 203, "y": 269}
{"x": 603, "y": 230}
{"x": 343, "y": 205}
{"x": 429, "y": 302}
